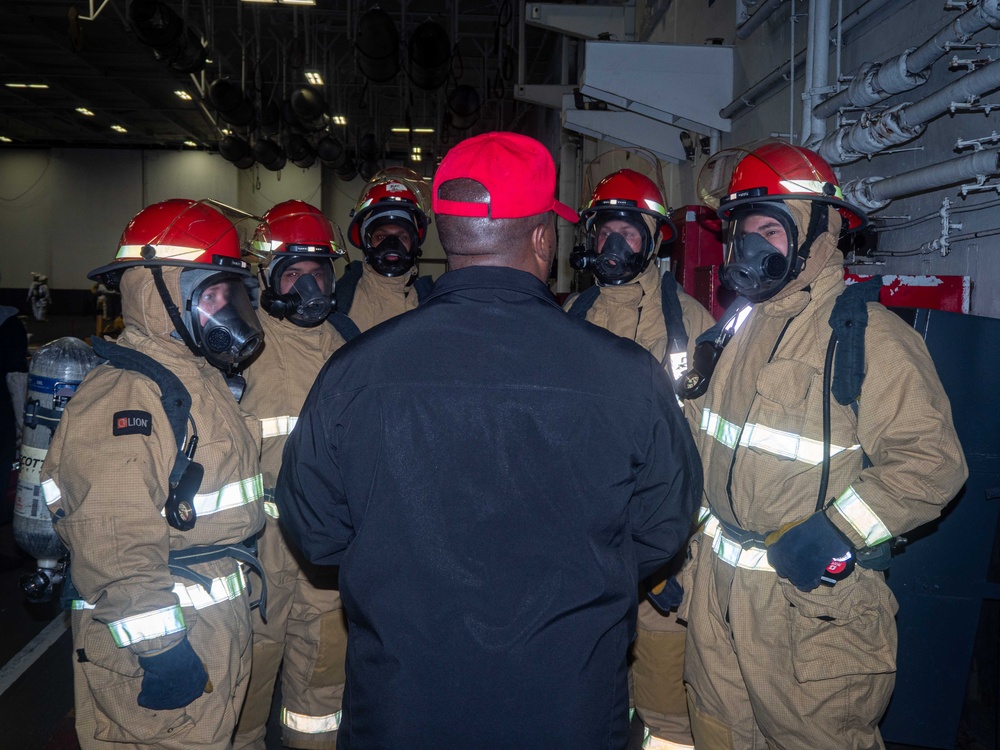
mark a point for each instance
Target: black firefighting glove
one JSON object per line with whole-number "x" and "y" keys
{"x": 172, "y": 679}
{"x": 801, "y": 550}
{"x": 666, "y": 595}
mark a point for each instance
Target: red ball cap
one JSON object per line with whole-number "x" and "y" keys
{"x": 517, "y": 172}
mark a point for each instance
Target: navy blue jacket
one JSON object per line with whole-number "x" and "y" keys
{"x": 493, "y": 477}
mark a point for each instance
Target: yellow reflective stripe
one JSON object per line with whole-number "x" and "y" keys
{"x": 155, "y": 624}
{"x": 232, "y": 495}
{"x": 223, "y": 589}
{"x": 310, "y": 724}
{"x": 174, "y": 252}
{"x": 862, "y": 518}
{"x": 718, "y": 428}
{"x": 732, "y": 553}
{"x": 768, "y": 439}
{"x": 271, "y": 508}
{"x": 51, "y": 493}
{"x": 277, "y": 426}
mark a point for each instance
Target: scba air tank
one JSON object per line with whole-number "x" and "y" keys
{"x": 53, "y": 376}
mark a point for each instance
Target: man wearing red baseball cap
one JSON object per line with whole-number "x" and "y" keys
{"x": 488, "y": 564}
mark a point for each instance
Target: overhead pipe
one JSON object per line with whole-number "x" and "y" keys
{"x": 877, "y": 81}
{"x": 876, "y": 132}
{"x": 817, "y": 71}
{"x": 745, "y": 29}
{"x": 807, "y": 82}
{"x": 780, "y": 75}
{"x": 874, "y": 193}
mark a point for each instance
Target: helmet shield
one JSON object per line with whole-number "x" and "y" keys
{"x": 301, "y": 289}
{"x": 219, "y": 315}
{"x": 761, "y": 250}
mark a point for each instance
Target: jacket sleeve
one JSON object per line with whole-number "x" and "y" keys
{"x": 310, "y": 493}
{"x": 106, "y": 492}
{"x": 905, "y": 427}
{"x": 669, "y": 480}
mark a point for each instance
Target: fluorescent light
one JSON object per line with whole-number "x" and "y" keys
{"x": 423, "y": 130}
{"x": 313, "y": 77}
{"x": 5, "y": 139}
{"x": 38, "y": 85}
{"x": 227, "y": 131}
{"x": 339, "y": 120}
{"x": 400, "y": 130}
{"x": 298, "y": 2}
{"x": 27, "y": 85}
{"x": 84, "y": 111}
{"x": 181, "y": 93}
{"x": 417, "y": 150}
{"x": 192, "y": 144}
{"x": 118, "y": 129}
{"x": 416, "y": 157}
{"x": 269, "y": 2}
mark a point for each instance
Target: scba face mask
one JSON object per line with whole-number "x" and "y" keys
{"x": 309, "y": 295}
{"x": 390, "y": 257}
{"x": 755, "y": 266}
{"x": 220, "y": 317}
{"x": 616, "y": 262}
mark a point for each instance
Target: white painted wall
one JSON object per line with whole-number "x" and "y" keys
{"x": 62, "y": 211}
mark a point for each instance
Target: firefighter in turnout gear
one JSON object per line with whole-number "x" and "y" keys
{"x": 153, "y": 482}
{"x": 792, "y": 639}
{"x": 389, "y": 224}
{"x": 626, "y": 221}
{"x": 305, "y": 630}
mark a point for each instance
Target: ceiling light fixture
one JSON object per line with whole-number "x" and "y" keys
{"x": 118, "y": 129}
{"x": 181, "y": 93}
{"x": 27, "y": 85}
{"x": 85, "y": 111}
{"x": 313, "y": 77}
{"x": 227, "y": 131}
{"x": 339, "y": 120}
{"x": 423, "y": 130}
{"x": 5, "y": 139}
{"x": 297, "y": 2}
{"x": 192, "y": 144}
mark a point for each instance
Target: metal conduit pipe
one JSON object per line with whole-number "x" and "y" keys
{"x": 877, "y": 81}
{"x": 904, "y": 122}
{"x": 779, "y": 76}
{"x": 873, "y": 193}
{"x": 764, "y": 12}
{"x": 821, "y": 70}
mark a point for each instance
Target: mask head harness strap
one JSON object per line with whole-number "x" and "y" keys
{"x": 172, "y": 311}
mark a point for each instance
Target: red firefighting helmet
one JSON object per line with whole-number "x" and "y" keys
{"x": 772, "y": 170}
{"x": 396, "y": 192}
{"x": 628, "y": 192}
{"x": 298, "y": 228}
{"x": 182, "y": 232}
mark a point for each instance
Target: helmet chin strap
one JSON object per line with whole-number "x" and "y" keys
{"x": 172, "y": 311}
{"x": 818, "y": 224}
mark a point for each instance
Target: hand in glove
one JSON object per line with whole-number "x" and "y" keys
{"x": 666, "y": 595}
{"x": 800, "y": 551}
{"x": 172, "y": 679}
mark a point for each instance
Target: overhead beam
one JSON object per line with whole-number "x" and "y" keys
{"x": 625, "y": 129}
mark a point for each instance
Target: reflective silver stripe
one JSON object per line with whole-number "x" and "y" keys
{"x": 271, "y": 508}
{"x": 232, "y": 495}
{"x": 51, "y": 493}
{"x": 861, "y": 517}
{"x": 650, "y": 742}
{"x": 175, "y": 252}
{"x": 277, "y": 426}
{"x": 732, "y": 553}
{"x": 155, "y": 624}
{"x": 703, "y": 515}
{"x": 769, "y": 440}
{"x": 223, "y": 589}
{"x": 310, "y": 724}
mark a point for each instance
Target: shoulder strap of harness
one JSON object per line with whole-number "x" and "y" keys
{"x": 673, "y": 315}
{"x": 173, "y": 395}
{"x": 347, "y": 285}
{"x": 344, "y": 325}
{"x": 583, "y": 302}
{"x": 422, "y": 286}
{"x": 849, "y": 319}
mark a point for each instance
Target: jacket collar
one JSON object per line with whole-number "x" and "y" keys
{"x": 492, "y": 277}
